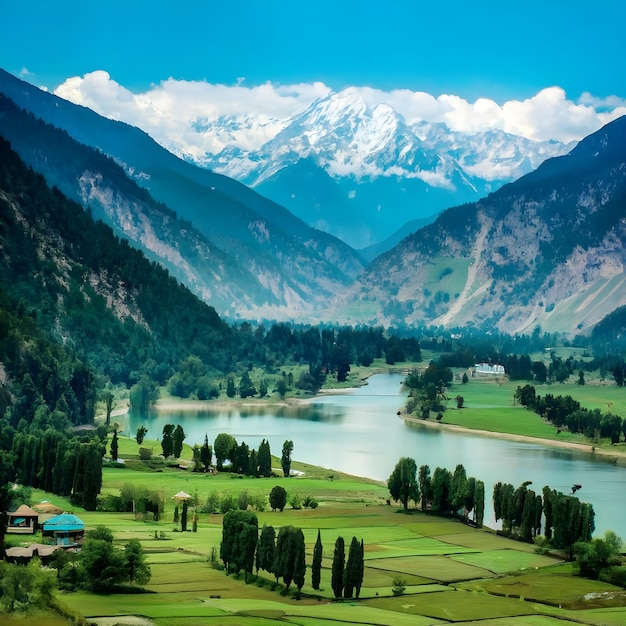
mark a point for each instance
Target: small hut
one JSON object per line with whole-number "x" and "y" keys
{"x": 66, "y": 529}
{"x": 23, "y": 521}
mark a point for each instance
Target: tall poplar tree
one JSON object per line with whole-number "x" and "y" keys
{"x": 114, "y": 446}
{"x": 352, "y": 575}
{"x": 339, "y": 558}
{"x": 316, "y": 565}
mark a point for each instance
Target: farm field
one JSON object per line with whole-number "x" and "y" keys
{"x": 451, "y": 573}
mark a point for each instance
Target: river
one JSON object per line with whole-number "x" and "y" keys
{"x": 360, "y": 433}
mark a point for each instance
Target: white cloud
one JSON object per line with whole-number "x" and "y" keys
{"x": 181, "y": 115}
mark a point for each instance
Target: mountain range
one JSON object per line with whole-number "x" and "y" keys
{"x": 546, "y": 249}
{"x": 359, "y": 170}
{"x": 243, "y": 253}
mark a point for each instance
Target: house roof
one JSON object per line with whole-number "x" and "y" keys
{"x": 47, "y": 507}
{"x": 24, "y": 511}
{"x": 63, "y": 522}
{"x": 42, "y": 550}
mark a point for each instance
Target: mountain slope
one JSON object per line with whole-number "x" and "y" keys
{"x": 94, "y": 294}
{"x": 547, "y": 249}
{"x": 299, "y": 266}
{"x": 379, "y": 166}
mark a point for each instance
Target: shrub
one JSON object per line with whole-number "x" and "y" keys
{"x": 295, "y": 501}
{"x": 399, "y": 586}
{"x": 145, "y": 454}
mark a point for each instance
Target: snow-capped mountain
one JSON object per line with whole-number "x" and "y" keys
{"x": 385, "y": 171}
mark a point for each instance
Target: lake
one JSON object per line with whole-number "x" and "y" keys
{"x": 359, "y": 432}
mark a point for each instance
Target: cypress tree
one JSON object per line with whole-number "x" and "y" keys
{"x": 265, "y": 552}
{"x": 183, "y": 517}
{"x": 114, "y": 446}
{"x": 316, "y": 566}
{"x": 360, "y": 570}
{"x": 351, "y": 572}
{"x": 479, "y": 503}
{"x": 339, "y": 556}
{"x": 299, "y": 557}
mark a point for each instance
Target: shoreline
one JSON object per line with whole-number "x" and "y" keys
{"x": 588, "y": 448}
{"x": 208, "y": 405}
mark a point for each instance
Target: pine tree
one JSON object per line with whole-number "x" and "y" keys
{"x": 178, "y": 438}
{"x": 264, "y": 459}
{"x": 316, "y": 566}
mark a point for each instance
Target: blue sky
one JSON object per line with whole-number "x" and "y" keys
{"x": 496, "y": 49}
{"x": 545, "y": 70}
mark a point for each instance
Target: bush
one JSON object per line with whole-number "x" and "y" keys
{"x": 310, "y": 501}
{"x": 145, "y": 454}
{"x": 227, "y": 503}
{"x": 278, "y": 498}
{"x": 295, "y": 501}
{"x": 399, "y": 586}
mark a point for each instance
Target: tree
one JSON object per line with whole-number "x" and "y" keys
{"x": 264, "y": 459}
{"x": 598, "y": 555}
{"x": 183, "y": 517}
{"x": 223, "y": 447}
{"x": 278, "y": 498}
{"x": 137, "y": 570}
{"x": 114, "y": 446}
{"x": 7, "y": 476}
{"x": 316, "y": 565}
{"x": 299, "y": 558}
{"x": 206, "y": 454}
{"x": 108, "y": 398}
{"x": 178, "y": 438}
{"x": 459, "y": 401}
{"x": 459, "y": 489}
{"x": 167, "y": 440}
{"x": 402, "y": 482}
{"x": 339, "y": 556}
{"x": 353, "y": 576}
{"x": 425, "y": 485}
{"x": 246, "y": 388}
{"x": 142, "y": 431}
{"x": 479, "y": 503}
{"x": 265, "y": 551}
{"x": 231, "y": 390}
{"x": 441, "y": 483}
{"x": 102, "y": 565}
{"x": 240, "y": 531}
{"x": 285, "y": 459}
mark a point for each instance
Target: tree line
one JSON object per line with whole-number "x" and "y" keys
{"x": 566, "y": 519}
{"x": 565, "y": 412}
{"x": 283, "y": 554}
{"x": 443, "y": 492}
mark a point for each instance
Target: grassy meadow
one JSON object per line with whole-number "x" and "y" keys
{"x": 450, "y": 572}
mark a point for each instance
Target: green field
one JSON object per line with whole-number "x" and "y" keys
{"x": 452, "y": 573}
{"x": 489, "y": 405}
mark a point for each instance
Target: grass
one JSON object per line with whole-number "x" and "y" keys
{"x": 451, "y": 572}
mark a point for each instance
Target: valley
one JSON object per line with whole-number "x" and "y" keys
{"x": 344, "y": 305}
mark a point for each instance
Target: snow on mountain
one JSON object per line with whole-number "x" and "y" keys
{"x": 350, "y": 137}
{"x": 358, "y": 142}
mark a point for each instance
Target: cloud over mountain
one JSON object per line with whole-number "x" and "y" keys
{"x": 179, "y": 113}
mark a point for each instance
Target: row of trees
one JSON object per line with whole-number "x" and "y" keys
{"x": 566, "y": 519}
{"x": 283, "y": 554}
{"x": 442, "y": 492}
{"x": 67, "y": 465}
{"x": 565, "y": 412}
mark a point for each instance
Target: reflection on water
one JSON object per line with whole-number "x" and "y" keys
{"x": 360, "y": 433}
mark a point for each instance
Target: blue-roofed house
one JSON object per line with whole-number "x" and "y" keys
{"x": 66, "y": 529}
